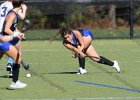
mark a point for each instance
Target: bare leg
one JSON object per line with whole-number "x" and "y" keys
{"x": 92, "y": 52}
{"x": 13, "y": 52}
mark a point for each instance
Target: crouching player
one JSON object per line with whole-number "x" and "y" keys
{"x": 80, "y": 41}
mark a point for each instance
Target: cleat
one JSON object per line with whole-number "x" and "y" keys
{"x": 116, "y": 66}
{"x": 10, "y": 74}
{"x": 9, "y": 67}
{"x": 17, "y": 85}
{"x": 81, "y": 71}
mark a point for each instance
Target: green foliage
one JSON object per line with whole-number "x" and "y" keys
{"x": 104, "y": 33}
{"x": 36, "y": 17}
{"x": 137, "y": 15}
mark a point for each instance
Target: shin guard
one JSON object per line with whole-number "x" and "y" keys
{"x": 105, "y": 61}
{"x": 16, "y": 68}
{"x": 81, "y": 62}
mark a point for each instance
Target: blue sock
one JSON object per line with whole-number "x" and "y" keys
{"x": 10, "y": 60}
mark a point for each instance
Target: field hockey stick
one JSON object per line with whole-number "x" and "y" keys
{"x": 26, "y": 27}
{"x": 78, "y": 55}
{"x": 25, "y": 66}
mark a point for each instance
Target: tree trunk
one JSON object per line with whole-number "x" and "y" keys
{"x": 112, "y": 17}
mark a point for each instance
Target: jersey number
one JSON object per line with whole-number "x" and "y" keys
{"x": 3, "y": 14}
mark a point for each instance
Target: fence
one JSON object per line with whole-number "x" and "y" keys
{"x": 105, "y": 18}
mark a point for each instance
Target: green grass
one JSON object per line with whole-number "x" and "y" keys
{"x": 52, "y": 69}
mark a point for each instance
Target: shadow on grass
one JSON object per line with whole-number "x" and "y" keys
{"x": 61, "y": 73}
{"x": 4, "y": 76}
{"x": 76, "y": 72}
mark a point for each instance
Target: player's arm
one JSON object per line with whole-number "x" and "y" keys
{"x": 81, "y": 40}
{"x": 22, "y": 12}
{"x": 4, "y": 38}
{"x": 9, "y": 21}
{"x": 72, "y": 48}
{"x": 22, "y": 35}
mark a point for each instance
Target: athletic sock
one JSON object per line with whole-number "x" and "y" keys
{"x": 82, "y": 62}
{"x": 15, "y": 72}
{"x": 105, "y": 61}
{"x": 10, "y": 60}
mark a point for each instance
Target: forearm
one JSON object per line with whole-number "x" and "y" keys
{"x": 8, "y": 31}
{"x": 4, "y": 38}
{"x": 81, "y": 48}
{"x": 76, "y": 50}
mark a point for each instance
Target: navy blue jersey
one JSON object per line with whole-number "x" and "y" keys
{"x": 84, "y": 32}
{"x": 14, "y": 24}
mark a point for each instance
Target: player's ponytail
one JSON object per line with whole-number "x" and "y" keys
{"x": 62, "y": 31}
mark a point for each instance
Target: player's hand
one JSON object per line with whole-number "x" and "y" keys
{"x": 21, "y": 36}
{"x": 82, "y": 55}
{"x": 75, "y": 55}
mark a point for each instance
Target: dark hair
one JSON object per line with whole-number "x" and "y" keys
{"x": 64, "y": 30}
{"x": 17, "y": 3}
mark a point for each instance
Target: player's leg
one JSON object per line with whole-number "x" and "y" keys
{"x": 16, "y": 42}
{"x": 13, "y": 52}
{"x": 18, "y": 45}
{"x": 9, "y": 64}
{"x": 1, "y": 54}
{"x": 100, "y": 59}
{"x": 82, "y": 69}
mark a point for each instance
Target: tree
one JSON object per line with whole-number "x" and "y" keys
{"x": 112, "y": 17}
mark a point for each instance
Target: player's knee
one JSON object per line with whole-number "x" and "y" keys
{"x": 95, "y": 59}
{"x": 17, "y": 59}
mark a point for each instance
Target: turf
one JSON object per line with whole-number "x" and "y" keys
{"x": 53, "y": 73}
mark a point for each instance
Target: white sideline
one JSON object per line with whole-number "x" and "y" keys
{"x": 100, "y": 98}
{"x": 38, "y": 50}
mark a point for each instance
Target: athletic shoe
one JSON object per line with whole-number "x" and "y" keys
{"x": 116, "y": 66}
{"x": 81, "y": 71}
{"x": 10, "y": 74}
{"x": 9, "y": 67}
{"x": 17, "y": 85}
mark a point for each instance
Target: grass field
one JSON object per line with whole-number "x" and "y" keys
{"x": 53, "y": 73}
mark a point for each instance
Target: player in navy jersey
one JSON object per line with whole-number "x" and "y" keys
{"x": 4, "y": 9}
{"x": 80, "y": 41}
{"x": 6, "y": 47}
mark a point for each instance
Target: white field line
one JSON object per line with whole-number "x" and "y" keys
{"x": 37, "y": 63}
{"x": 38, "y": 50}
{"x": 100, "y": 98}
